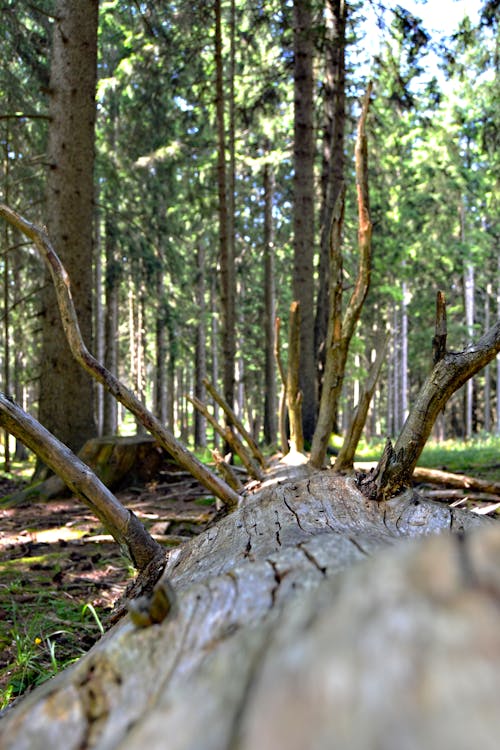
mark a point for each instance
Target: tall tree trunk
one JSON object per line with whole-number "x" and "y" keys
{"x": 171, "y": 368}
{"x": 487, "y": 369}
{"x": 160, "y": 376}
{"x": 225, "y": 247}
{"x": 112, "y": 285}
{"x": 270, "y": 398}
{"x": 6, "y": 387}
{"x": 396, "y": 385}
{"x": 99, "y": 323}
{"x": 333, "y": 167}
{"x": 66, "y": 391}
{"x": 498, "y": 358}
{"x": 214, "y": 340}
{"x": 404, "y": 352}
{"x": 303, "y": 212}
{"x": 469, "y": 321}
{"x": 200, "y": 426}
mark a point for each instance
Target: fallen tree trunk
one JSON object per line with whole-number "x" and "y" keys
{"x": 302, "y": 621}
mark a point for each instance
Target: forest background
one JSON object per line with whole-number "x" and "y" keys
{"x": 195, "y": 117}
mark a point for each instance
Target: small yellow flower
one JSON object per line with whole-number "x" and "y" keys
{"x": 37, "y": 641}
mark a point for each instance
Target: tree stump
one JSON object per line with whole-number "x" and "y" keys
{"x": 117, "y": 461}
{"x": 303, "y": 619}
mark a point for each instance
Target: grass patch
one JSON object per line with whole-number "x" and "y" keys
{"x": 44, "y": 636}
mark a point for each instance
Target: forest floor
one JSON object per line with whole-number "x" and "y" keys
{"x": 61, "y": 574}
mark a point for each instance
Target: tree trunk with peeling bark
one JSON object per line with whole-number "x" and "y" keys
{"x": 303, "y": 619}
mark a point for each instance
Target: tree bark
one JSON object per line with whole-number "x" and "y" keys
{"x": 66, "y": 391}
{"x": 332, "y": 177}
{"x": 270, "y": 399}
{"x": 200, "y": 425}
{"x": 226, "y": 255}
{"x": 303, "y": 211}
{"x": 302, "y": 620}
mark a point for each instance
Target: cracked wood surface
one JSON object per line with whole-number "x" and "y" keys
{"x": 302, "y": 621}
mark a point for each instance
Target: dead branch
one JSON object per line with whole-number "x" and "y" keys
{"x": 256, "y": 452}
{"x": 122, "y": 394}
{"x": 341, "y": 329}
{"x": 283, "y": 397}
{"x": 294, "y": 395}
{"x": 345, "y": 458}
{"x": 226, "y": 471}
{"x": 229, "y": 436}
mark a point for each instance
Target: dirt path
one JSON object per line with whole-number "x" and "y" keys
{"x": 61, "y": 574}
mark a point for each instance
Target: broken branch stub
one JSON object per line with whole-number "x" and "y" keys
{"x": 395, "y": 469}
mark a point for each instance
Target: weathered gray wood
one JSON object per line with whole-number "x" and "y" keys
{"x": 303, "y": 621}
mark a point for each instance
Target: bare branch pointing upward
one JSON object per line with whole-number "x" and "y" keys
{"x": 122, "y": 394}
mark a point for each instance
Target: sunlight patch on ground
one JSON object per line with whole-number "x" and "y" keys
{"x": 45, "y": 536}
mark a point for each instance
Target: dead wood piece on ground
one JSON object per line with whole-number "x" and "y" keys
{"x": 460, "y": 481}
{"x": 301, "y": 620}
{"x": 455, "y": 494}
